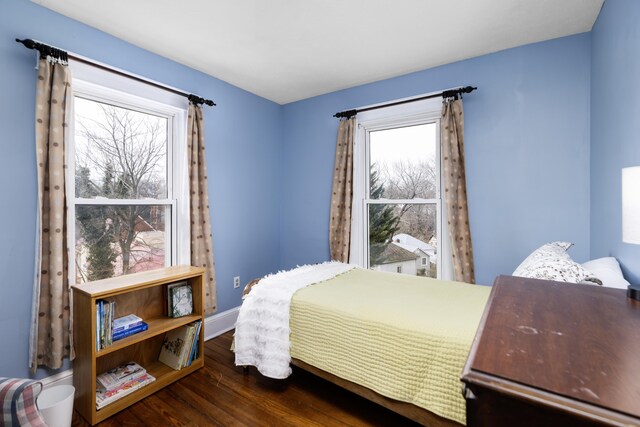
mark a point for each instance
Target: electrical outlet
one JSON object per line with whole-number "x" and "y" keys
{"x": 236, "y": 282}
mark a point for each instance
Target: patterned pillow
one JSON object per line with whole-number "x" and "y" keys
{"x": 552, "y": 262}
{"x": 608, "y": 270}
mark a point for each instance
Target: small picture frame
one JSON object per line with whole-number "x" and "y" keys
{"x": 181, "y": 300}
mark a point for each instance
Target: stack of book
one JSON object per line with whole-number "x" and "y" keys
{"x": 127, "y": 325}
{"x": 109, "y": 329}
{"x": 104, "y": 323}
{"x": 119, "y": 382}
{"x": 179, "y": 299}
{"x": 180, "y": 346}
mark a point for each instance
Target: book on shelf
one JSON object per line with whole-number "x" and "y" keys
{"x": 168, "y": 307}
{"x": 194, "y": 348}
{"x": 179, "y": 299}
{"x": 97, "y": 326}
{"x": 105, "y": 398}
{"x": 174, "y": 346}
{"x": 110, "y": 329}
{"x": 189, "y": 345}
{"x": 125, "y": 322}
{"x": 116, "y": 377}
{"x": 178, "y": 347}
{"x": 110, "y": 317}
{"x": 143, "y": 326}
{"x": 104, "y": 323}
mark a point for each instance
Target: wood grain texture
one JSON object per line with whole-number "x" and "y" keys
{"x": 143, "y": 294}
{"x": 84, "y": 365}
{"x": 565, "y": 349}
{"x": 498, "y": 409}
{"x": 419, "y": 415}
{"x": 220, "y": 394}
{"x": 116, "y": 285}
{"x": 157, "y": 326}
{"x": 146, "y": 303}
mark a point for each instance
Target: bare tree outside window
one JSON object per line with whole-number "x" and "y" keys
{"x": 413, "y": 180}
{"x": 121, "y": 164}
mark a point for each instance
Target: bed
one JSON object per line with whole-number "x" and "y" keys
{"x": 401, "y": 341}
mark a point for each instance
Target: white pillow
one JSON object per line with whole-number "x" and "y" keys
{"x": 608, "y": 270}
{"x": 552, "y": 262}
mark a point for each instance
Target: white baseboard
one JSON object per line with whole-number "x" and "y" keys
{"x": 61, "y": 378}
{"x": 220, "y": 323}
{"x": 214, "y": 325}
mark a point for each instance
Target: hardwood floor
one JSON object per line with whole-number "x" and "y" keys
{"x": 221, "y": 395}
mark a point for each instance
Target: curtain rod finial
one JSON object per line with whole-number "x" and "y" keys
{"x": 195, "y": 99}
{"x": 28, "y": 43}
{"x": 346, "y": 114}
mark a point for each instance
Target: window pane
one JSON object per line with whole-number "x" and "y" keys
{"x": 119, "y": 153}
{"x": 403, "y": 162}
{"x": 115, "y": 240}
{"x": 402, "y": 238}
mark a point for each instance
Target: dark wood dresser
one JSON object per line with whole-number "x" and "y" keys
{"x": 554, "y": 354}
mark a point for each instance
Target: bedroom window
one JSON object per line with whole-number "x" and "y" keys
{"x": 126, "y": 195}
{"x": 397, "y": 221}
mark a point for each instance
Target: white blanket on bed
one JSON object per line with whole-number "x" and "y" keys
{"x": 262, "y": 329}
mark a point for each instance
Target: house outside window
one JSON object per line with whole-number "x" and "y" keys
{"x": 127, "y": 176}
{"x": 397, "y": 209}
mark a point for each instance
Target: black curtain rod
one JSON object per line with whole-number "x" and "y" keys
{"x": 46, "y": 50}
{"x": 453, "y": 93}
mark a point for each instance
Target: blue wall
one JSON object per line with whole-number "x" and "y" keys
{"x": 244, "y": 135}
{"x": 615, "y": 126}
{"x": 547, "y": 133}
{"x": 527, "y": 147}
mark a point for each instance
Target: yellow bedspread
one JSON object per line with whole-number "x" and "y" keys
{"x": 403, "y": 336}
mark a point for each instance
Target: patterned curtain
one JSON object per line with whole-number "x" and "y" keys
{"x": 455, "y": 191}
{"x": 51, "y": 330}
{"x": 201, "y": 236}
{"x": 340, "y": 222}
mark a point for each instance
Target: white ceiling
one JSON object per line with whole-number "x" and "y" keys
{"x": 287, "y": 50}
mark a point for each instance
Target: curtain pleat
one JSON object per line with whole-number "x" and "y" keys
{"x": 51, "y": 337}
{"x": 201, "y": 235}
{"x": 341, "y": 194}
{"x": 455, "y": 191}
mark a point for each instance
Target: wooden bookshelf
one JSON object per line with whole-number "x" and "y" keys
{"x": 141, "y": 294}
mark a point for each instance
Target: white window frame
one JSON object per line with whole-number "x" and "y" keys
{"x": 103, "y": 86}
{"x": 409, "y": 114}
